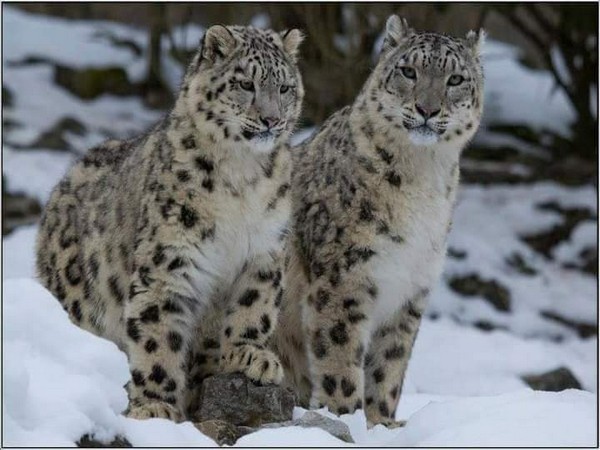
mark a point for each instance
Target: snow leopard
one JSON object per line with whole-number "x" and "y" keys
{"x": 372, "y": 196}
{"x": 170, "y": 243}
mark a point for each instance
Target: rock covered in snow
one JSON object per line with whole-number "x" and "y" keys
{"x": 555, "y": 380}
{"x": 313, "y": 419}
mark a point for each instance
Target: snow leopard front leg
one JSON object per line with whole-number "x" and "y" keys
{"x": 387, "y": 360}
{"x": 159, "y": 324}
{"x": 334, "y": 313}
{"x": 250, "y": 319}
{"x": 167, "y": 298}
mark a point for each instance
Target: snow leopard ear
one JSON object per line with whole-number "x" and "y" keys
{"x": 291, "y": 40}
{"x": 396, "y": 30}
{"x": 475, "y": 41}
{"x": 218, "y": 43}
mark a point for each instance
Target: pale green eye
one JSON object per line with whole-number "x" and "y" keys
{"x": 284, "y": 88}
{"x": 247, "y": 85}
{"x": 455, "y": 80}
{"x": 409, "y": 72}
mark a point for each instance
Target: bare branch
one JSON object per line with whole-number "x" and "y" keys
{"x": 543, "y": 47}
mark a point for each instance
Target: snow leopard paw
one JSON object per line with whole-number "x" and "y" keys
{"x": 154, "y": 409}
{"x": 257, "y": 364}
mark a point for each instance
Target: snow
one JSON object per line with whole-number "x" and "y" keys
{"x": 291, "y": 436}
{"x": 87, "y": 44}
{"x": 469, "y": 362}
{"x": 261, "y": 20}
{"x": 463, "y": 386}
{"x": 35, "y": 173}
{"x": 18, "y": 255}
{"x": 585, "y": 236}
{"x": 36, "y": 91}
{"x": 519, "y": 419}
{"x": 528, "y": 90}
{"x": 489, "y": 244}
{"x": 73, "y": 43}
{"x": 64, "y": 382}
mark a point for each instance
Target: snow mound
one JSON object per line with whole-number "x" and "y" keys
{"x": 62, "y": 382}
{"x": 520, "y": 419}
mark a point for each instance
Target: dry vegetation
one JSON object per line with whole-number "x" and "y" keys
{"x": 337, "y": 56}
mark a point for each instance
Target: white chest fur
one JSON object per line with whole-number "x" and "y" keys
{"x": 246, "y": 232}
{"x": 401, "y": 271}
{"x": 421, "y": 215}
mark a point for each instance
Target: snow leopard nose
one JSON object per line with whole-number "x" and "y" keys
{"x": 269, "y": 122}
{"x": 427, "y": 113}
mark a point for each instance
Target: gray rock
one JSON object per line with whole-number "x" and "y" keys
{"x": 88, "y": 441}
{"x": 313, "y": 419}
{"x": 223, "y": 433}
{"x": 556, "y": 380}
{"x": 18, "y": 210}
{"x": 583, "y": 329}
{"x": 236, "y": 399}
{"x": 473, "y": 285}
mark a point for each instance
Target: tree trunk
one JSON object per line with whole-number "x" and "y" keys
{"x": 157, "y": 93}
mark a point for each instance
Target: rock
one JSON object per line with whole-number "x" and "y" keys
{"x": 545, "y": 241}
{"x": 30, "y": 61}
{"x": 9, "y": 125}
{"x": 312, "y": 419}
{"x": 236, "y": 399}
{"x": 518, "y": 262}
{"x": 519, "y": 131}
{"x": 472, "y": 175}
{"x": 7, "y": 97}
{"x": 472, "y": 285}
{"x": 586, "y": 261}
{"x": 456, "y": 253}
{"x": 89, "y": 83}
{"x": 571, "y": 171}
{"x": 487, "y": 326}
{"x": 118, "y": 42}
{"x": 222, "y": 432}
{"x": 88, "y": 441}
{"x": 583, "y": 329}
{"x": 556, "y": 380}
{"x": 54, "y": 138}
{"x": 589, "y": 258}
{"x": 8, "y": 101}
{"x": 18, "y": 210}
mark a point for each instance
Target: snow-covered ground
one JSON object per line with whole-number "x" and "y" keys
{"x": 463, "y": 386}
{"x": 462, "y": 389}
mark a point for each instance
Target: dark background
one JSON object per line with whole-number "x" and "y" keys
{"x": 332, "y": 77}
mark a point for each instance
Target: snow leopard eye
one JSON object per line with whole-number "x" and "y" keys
{"x": 409, "y": 72}
{"x": 455, "y": 80}
{"x": 247, "y": 85}
{"x": 284, "y": 88}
